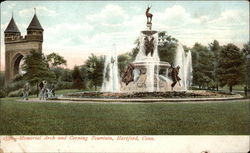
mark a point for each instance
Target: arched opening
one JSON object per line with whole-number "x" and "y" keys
{"x": 17, "y": 63}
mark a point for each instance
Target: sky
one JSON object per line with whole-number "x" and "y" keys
{"x": 78, "y": 28}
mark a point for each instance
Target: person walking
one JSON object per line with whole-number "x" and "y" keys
{"x": 26, "y": 90}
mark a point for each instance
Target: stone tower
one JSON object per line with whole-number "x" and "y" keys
{"x": 17, "y": 46}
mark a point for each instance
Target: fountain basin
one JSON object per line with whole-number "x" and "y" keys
{"x": 174, "y": 96}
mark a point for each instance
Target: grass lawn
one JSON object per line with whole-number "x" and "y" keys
{"x": 17, "y": 118}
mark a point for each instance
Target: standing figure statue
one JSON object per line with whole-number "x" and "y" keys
{"x": 26, "y": 90}
{"x": 149, "y": 15}
{"x": 128, "y": 76}
{"x": 175, "y": 77}
{"x": 149, "y": 46}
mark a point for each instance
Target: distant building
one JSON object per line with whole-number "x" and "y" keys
{"x": 17, "y": 46}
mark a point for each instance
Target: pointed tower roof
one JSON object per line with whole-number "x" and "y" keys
{"x": 35, "y": 24}
{"x": 12, "y": 27}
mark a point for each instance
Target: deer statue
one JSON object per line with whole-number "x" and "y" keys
{"x": 149, "y": 15}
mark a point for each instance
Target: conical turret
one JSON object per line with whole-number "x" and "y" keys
{"x": 12, "y": 31}
{"x": 12, "y": 27}
{"x": 35, "y": 24}
{"x": 35, "y": 30}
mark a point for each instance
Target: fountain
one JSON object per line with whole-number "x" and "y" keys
{"x": 147, "y": 78}
{"x": 111, "y": 78}
{"x": 147, "y": 66}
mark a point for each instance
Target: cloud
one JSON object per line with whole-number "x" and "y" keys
{"x": 173, "y": 17}
{"x": 11, "y": 5}
{"x": 113, "y": 24}
{"x": 42, "y": 10}
{"x": 136, "y": 9}
{"x": 231, "y": 18}
{"x": 110, "y": 15}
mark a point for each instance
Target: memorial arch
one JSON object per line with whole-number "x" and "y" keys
{"x": 17, "y": 46}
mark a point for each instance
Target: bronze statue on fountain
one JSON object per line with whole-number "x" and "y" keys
{"x": 143, "y": 74}
{"x": 149, "y": 46}
{"x": 149, "y": 15}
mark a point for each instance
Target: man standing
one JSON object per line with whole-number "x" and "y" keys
{"x": 42, "y": 88}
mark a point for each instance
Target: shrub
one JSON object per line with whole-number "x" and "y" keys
{"x": 13, "y": 86}
{"x": 2, "y": 93}
{"x": 19, "y": 92}
{"x": 64, "y": 85}
{"x": 16, "y": 93}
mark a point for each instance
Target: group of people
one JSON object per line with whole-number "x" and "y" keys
{"x": 45, "y": 91}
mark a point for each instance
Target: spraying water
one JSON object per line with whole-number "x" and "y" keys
{"x": 185, "y": 63}
{"x": 111, "y": 76}
{"x": 189, "y": 69}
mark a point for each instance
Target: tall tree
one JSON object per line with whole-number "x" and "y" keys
{"x": 202, "y": 66}
{"x": 55, "y": 59}
{"x": 37, "y": 68}
{"x": 246, "y": 53}
{"x": 95, "y": 66}
{"x": 230, "y": 66}
{"x": 215, "y": 48}
{"x": 77, "y": 78}
{"x": 167, "y": 47}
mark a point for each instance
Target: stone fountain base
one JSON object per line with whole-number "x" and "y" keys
{"x": 150, "y": 76}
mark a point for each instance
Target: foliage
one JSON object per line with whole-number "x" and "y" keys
{"x": 64, "y": 85}
{"x": 37, "y": 68}
{"x": 16, "y": 93}
{"x": 19, "y": 92}
{"x": 246, "y": 53}
{"x": 63, "y": 77}
{"x": 123, "y": 61}
{"x": 167, "y": 47}
{"x": 94, "y": 66}
{"x": 215, "y": 48}
{"x": 202, "y": 66}
{"x": 77, "y": 78}
{"x": 230, "y": 66}
{"x": 2, "y": 93}
{"x": 84, "y": 75}
{"x": 55, "y": 59}
{"x": 15, "y": 85}
{"x": 1, "y": 79}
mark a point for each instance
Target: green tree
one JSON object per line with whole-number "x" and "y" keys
{"x": 167, "y": 47}
{"x": 55, "y": 59}
{"x": 215, "y": 48}
{"x": 202, "y": 66}
{"x": 1, "y": 79}
{"x": 230, "y": 66}
{"x": 95, "y": 66}
{"x": 246, "y": 53}
{"x": 63, "y": 74}
{"x": 123, "y": 61}
{"x": 127, "y": 58}
{"x": 77, "y": 78}
{"x": 37, "y": 68}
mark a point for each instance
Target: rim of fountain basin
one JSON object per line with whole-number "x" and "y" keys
{"x": 133, "y": 100}
{"x": 147, "y": 100}
{"x": 159, "y": 63}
